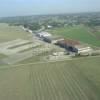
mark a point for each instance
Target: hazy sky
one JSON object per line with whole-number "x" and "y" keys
{"x": 31, "y": 7}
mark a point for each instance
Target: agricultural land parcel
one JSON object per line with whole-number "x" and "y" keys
{"x": 80, "y": 33}
{"x": 67, "y": 80}
{"x": 11, "y": 34}
{"x": 8, "y": 33}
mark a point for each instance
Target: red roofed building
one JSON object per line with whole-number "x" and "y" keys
{"x": 74, "y": 46}
{"x": 69, "y": 44}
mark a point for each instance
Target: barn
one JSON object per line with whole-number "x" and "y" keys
{"x": 74, "y": 46}
{"x": 69, "y": 44}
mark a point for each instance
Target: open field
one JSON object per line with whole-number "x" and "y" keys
{"x": 80, "y": 33}
{"x": 2, "y": 56}
{"x": 68, "y": 80}
{"x": 64, "y": 80}
{"x": 14, "y": 40}
{"x": 8, "y": 33}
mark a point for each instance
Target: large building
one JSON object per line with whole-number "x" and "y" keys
{"x": 74, "y": 46}
{"x": 68, "y": 44}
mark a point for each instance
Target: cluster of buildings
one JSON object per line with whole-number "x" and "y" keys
{"x": 69, "y": 44}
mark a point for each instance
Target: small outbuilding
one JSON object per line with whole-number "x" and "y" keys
{"x": 83, "y": 49}
{"x": 43, "y": 34}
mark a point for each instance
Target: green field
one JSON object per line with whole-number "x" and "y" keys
{"x": 80, "y": 33}
{"x": 2, "y": 56}
{"x": 8, "y": 33}
{"x": 68, "y": 80}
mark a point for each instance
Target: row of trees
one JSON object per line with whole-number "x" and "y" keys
{"x": 32, "y": 26}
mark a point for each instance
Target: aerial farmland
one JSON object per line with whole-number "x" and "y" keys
{"x": 80, "y": 33}
{"x": 75, "y": 80}
{"x": 31, "y": 68}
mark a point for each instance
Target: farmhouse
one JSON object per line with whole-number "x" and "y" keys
{"x": 43, "y": 34}
{"x": 52, "y": 39}
{"x": 74, "y": 46}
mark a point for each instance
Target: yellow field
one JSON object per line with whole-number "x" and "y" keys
{"x": 8, "y": 33}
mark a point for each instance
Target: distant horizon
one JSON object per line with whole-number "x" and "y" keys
{"x": 50, "y": 14}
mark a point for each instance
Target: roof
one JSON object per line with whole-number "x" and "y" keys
{"x": 54, "y": 38}
{"x": 44, "y": 34}
{"x": 70, "y": 42}
{"x": 83, "y": 47}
